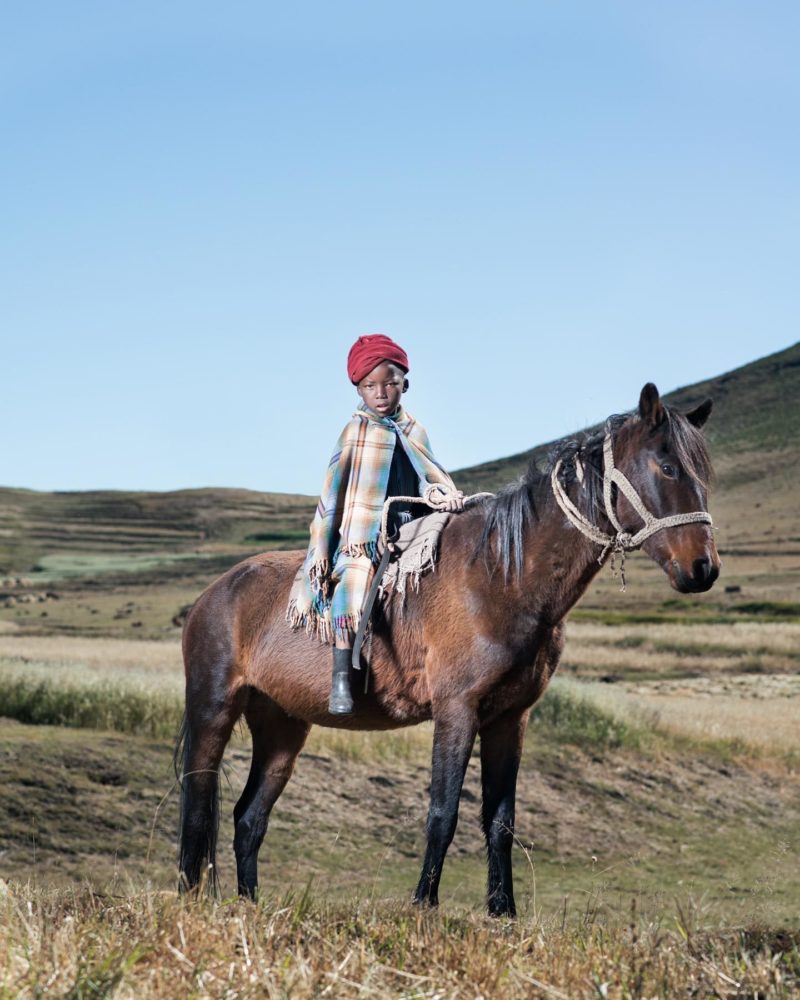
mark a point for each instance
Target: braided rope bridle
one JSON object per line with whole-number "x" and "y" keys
{"x": 623, "y": 541}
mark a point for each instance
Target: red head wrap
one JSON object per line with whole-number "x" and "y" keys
{"x": 368, "y": 352}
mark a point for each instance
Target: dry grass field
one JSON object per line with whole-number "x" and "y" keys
{"x": 77, "y": 943}
{"x": 735, "y": 682}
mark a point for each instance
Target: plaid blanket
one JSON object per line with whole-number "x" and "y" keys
{"x": 329, "y": 590}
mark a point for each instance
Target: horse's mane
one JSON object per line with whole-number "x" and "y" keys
{"x": 508, "y": 514}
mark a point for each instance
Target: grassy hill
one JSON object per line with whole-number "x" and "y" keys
{"x": 651, "y": 875}
{"x": 106, "y": 544}
{"x": 754, "y": 433}
{"x": 754, "y": 438}
{"x": 754, "y": 429}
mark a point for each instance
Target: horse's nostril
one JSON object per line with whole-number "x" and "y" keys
{"x": 702, "y": 569}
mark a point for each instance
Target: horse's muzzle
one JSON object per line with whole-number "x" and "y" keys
{"x": 702, "y": 577}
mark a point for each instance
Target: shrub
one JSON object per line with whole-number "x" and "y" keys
{"x": 97, "y": 706}
{"x": 566, "y": 716}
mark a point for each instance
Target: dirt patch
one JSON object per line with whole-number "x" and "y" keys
{"x": 761, "y": 686}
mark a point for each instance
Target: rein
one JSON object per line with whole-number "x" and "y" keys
{"x": 435, "y": 496}
{"x": 623, "y": 541}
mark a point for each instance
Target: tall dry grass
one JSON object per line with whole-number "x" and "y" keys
{"x": 137, "y": 686}
{"x": 761, "y": 724}
{"x": 150, "y": 945}
{"x": 739, "y": 683}
{"x": 746, "y": 724}
{"x": 93, "y": 659}
{"x": 122, "y": 685}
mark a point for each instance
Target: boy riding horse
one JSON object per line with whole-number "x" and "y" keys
{"x": 382, "y": 452}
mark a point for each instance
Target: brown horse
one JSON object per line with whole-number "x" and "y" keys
{"x": 474, "y": 648}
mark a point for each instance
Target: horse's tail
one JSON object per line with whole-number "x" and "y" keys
{"x": 199, "y": 817}
{"x": 178, "y": 753}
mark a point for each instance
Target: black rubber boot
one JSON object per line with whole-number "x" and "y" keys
{"x": 341, "y": 701}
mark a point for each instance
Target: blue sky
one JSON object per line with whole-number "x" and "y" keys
{"x": 546, "y": 204}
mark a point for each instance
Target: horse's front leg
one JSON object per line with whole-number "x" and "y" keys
{"x": 453, "y": 737}
{"x": 501, "y": 749}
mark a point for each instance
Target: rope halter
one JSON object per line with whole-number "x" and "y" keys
{"x": 623, "y": 541}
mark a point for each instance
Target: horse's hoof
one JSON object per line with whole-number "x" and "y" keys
{"x": 500, "y": 904}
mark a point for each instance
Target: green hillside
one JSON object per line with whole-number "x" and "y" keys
{"x": 43, "y": 529}
{"x": 52, "y": 537}
{"x": 754, "y": 435}
{"x": 755, "y": 426}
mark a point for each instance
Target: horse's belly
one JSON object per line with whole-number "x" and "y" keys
{"x": 295, "y": 671}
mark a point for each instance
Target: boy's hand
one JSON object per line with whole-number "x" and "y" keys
{"x": 455, "y": 503}
{"x": 443, "y": 498}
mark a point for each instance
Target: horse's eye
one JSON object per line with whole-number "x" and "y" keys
{"x": 668, "y": 470}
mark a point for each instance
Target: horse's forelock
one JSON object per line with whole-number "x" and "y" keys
{"x": 686, "y": 441}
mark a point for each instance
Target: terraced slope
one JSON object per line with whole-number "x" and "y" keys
{"x": 36, "y": 525}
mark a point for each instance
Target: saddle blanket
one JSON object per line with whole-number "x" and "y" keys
{"x": 417, "y": 544}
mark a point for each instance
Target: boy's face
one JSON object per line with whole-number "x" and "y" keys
{"x": 382, "y": 388}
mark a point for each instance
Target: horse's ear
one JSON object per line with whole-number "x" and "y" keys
{"x": 700, "y": 414}
{"x": 651, "y": 409}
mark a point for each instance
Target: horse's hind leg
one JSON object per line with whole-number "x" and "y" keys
{"x": 277, "y": 740}
{"x": 453, "y": 737}
{"x": 205, "y": 735}
{"x": 501, "y": 749}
